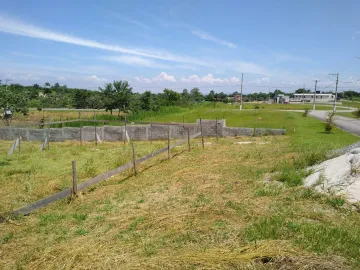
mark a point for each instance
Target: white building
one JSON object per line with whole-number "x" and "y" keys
{"x": 319, "y": 98}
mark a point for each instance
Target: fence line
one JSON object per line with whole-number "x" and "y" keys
{"x": 27, "y": 209}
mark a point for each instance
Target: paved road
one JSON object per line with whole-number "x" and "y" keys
{"x": 348, "y": 124}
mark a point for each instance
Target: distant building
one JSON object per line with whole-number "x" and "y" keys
{"x": 319, "y": 98}
{"x": 237, "y": 98}
{"x": 282, "y": 98}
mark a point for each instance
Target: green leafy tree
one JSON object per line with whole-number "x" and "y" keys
{"x": 196, "y": 95}
{"x": 149, "y": 101}
{"x": 95, "y": 102}
{"x": 16, "y": 102}
{"x": 117, "y": 95}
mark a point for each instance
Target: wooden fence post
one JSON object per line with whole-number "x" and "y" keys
{"x": 80, "y": 136}
{"x": 134, "y": 157}
{"x": 216, "y": 126}
{"x": 168, "y": 150}
{"x": 95, "y": 135}
{"x": 202, "y": 135}
{"x": 125, "y": 133}
{"x": 188, "y": 131}
{"x": 19, "y": 142}
{"x": 74, "y": 182}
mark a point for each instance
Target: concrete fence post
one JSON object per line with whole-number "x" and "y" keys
{"x": 74, "y": 180}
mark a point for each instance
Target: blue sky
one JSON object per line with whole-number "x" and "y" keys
{"x": 182, "y": 44}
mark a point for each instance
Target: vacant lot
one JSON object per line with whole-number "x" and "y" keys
{"x": 213, "y": 208}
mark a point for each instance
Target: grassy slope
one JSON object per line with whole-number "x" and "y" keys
{"x": 206, "y": 208}
{"x": 348, "y": 114}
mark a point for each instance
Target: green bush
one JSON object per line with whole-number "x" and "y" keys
{"x": 357, "y": 113}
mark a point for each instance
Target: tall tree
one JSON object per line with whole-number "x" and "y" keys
{"x": 196, "y": 95}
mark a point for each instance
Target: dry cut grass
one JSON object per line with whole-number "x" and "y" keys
{"x": 204, "y": 209}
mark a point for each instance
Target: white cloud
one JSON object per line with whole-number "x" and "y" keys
{"x": 162, "y": 77}
{"x": 207, "y": 36}
{"x": 135, "y": 61}
{"x": 94, "y": 78}
{"x": 24, "y": 29}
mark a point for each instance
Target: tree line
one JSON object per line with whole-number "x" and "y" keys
{"x": 116, "y": 97}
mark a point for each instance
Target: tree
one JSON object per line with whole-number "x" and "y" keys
{"x": 56, "y": 85}
{"x": 302, "y": 90}
{"x": 196, "y": 95}
{"x": 185, "y": 97}
{"x": 95, "y": 101}
{"x": 170, "y": 98}
{"x": 148, "y": 101}
{"x": 47, "y": 86}
{"x": 16, "y": 102}
{"x": 117, "y": 95}
{"x": 108, "y": 96}
{"x": 123, "y": 94}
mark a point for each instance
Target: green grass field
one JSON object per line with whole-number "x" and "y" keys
{"x": 348, "y": 114}
{"x": 228, "y": 206}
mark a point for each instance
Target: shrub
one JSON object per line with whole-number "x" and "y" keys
{"x": 329, "y": 122}
{"x": 357, "y": 113}
{"x": 256, "y": 107}
{"x": 306, "y": 112}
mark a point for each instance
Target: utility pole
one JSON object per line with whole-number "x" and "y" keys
{"x": 337, "y": 81}
{"x": 241, "y": 96}
{"x": 316, "y": 81}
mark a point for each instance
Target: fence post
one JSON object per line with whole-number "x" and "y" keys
{"x": 79, "y": 115}
{"x": 202, "y": 135}
{"x": 74, "y": 182}
{"x": 168, "y": 142}
{"x": 134, "y": 157}
{"x": 19, "y": 142}
{"x": 188, "y": 139}
{"x": 125, "y": 133}
{"x": 216, "y": 126}
{"x": 95, "y": 135}
{"x": 80, "y": 136}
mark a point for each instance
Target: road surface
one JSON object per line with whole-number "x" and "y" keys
{"x": 348, "y": 124}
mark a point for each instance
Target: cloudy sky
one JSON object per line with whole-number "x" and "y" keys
{"x": 182, "y": 43}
